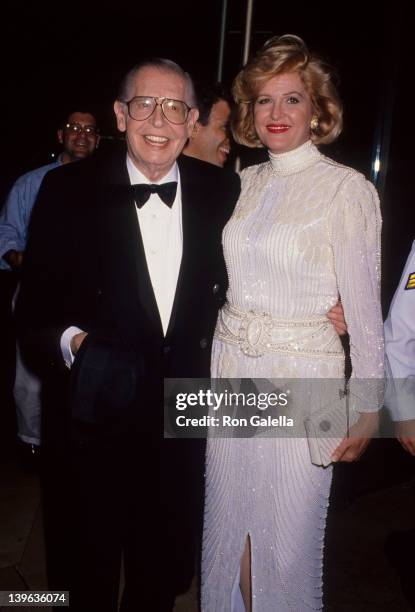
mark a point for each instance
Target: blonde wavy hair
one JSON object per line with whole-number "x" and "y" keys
{"x": 282, "y": 54}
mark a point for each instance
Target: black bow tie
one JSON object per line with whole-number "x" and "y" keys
{"x": 165, "y": 191}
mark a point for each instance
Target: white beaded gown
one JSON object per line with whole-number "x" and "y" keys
{"x": 304, "y": 231}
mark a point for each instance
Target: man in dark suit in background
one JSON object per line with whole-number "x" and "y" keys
{"x": 210, "y": 139}
{"x": 122, "y": 293}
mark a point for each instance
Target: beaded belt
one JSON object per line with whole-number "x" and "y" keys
{"x": 259, "y": 333}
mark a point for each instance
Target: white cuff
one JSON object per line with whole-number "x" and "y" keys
{"x": 66, "y": 338}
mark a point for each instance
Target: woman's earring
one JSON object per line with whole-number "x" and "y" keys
{"x": 314, "y": 124}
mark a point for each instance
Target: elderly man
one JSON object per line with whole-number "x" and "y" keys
{"x": 123, "y": 292}
{"x": 79, "y": 138}
{"x": 209, "y": 140}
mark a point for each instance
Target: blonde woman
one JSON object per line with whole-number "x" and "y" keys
{"x": 304, "y": 232}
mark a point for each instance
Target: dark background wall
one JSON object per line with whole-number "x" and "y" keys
{"x": 59, "y": 55}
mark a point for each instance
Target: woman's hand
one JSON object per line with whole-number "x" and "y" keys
{"x": 352, "y": 448}
{"x": 336, "y": 316}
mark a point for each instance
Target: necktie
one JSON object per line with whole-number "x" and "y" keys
{"x": 165, "y": 191}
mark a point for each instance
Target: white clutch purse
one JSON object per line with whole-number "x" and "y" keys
{"x": 326, "y": 428}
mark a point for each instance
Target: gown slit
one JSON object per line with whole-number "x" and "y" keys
{"x": 305, "y": 229}
{"x": 237, "y": 603}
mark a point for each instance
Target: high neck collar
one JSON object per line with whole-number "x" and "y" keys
{"x": 296, "y": 160}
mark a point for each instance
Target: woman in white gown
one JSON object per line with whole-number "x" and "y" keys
{"x": 305, "y": 231}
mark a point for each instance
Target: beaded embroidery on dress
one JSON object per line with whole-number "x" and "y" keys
{"x": 304, "y": 230}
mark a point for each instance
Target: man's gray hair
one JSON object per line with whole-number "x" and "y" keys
{"x": 125, "y": 92}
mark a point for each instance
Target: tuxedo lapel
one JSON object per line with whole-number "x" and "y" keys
{"x": 126, "y": 255}
{"x": 128, "y": 271}
{"x": 193, "y": 222}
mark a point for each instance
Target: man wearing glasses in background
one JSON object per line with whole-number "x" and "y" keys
{"x": 79, "y": 138}
{"x": 122, "y": 293}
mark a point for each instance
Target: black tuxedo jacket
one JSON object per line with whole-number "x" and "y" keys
{"x": 85, "y": 265}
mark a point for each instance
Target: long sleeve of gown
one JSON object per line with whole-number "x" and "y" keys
{"x": 355, "y": 227}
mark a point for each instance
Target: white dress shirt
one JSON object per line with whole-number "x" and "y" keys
{"x": 161, "y": 231}
{"x": 162, "y": 235}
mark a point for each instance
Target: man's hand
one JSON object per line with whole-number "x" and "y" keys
{"x": 76, "y": 341}
{"x": 405, "y": 432}
{"x": 336, "y": 316}
{"x": 352, "y": 448}
{"x": 13, "y": 258}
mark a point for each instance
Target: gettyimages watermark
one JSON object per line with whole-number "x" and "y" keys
{"x": 236, "y": 409}
{"x": 224, "y": 407}
{"x": 312, "y": 408}
{"x": 324, "y": 411}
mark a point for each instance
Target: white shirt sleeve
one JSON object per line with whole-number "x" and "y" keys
{"x": 65, "y": 343}
{"x": 400, "y": 346}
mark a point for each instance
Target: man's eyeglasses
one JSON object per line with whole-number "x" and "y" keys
{"x": 142, "y": 107}
{"x": 77, "y": 128}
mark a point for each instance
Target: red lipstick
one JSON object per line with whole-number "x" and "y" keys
{"x": 278, "y": 128}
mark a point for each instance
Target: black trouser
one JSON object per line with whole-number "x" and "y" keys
{"x": 182, "y": 501}
{"x": 103, "y": 500}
